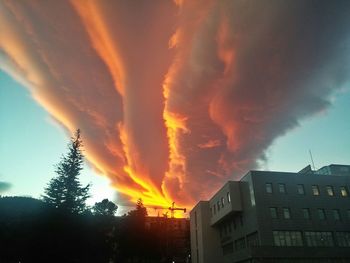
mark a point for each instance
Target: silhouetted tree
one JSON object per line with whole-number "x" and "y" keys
{"x": 65, "y": 191}
{"x": 140, "y": 211}
{"x": 105, "y": 208}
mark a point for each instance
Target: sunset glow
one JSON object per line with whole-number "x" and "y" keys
{"x": 173, "y": 98}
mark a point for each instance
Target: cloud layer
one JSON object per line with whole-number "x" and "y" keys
{"x": 173, "y": 99}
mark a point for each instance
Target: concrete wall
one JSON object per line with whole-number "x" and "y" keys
{"x": 230, "y": 204}
{"x": 296, "y": 202}
{"x": 205, "y": 242}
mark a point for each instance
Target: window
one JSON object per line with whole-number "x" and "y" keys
{"x": 329, "y": 190}
{"x": 253, "y": 240}
{"x": 344, "y": 191}
{"x": 300, "y": 189}
{"x": 321, "y": 214}
{"x": 273, "y": 212}
{"x": 240, "y": 244}
{"x": 286, "y": 213}
{"x": 336, "y": 214}
{"x": 343, "y": 239}
{"x": 228, "y": 197}
{"x": 282, "y": 188}
{"x": 315, "y": 190}
{"x": 268, "y": 188}
{"x": 214, "y": 206}
{"x": 319, "y": 239}
{"x": 218, "y": 205}
{"x": 306, "y": 213}
{"x": 287, "y": 238}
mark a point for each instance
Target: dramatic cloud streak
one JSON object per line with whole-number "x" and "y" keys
{"x": 175, "y": 98}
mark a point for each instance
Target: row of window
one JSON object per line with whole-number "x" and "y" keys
{"x": 251, "y": 240}
{"x": 292, "y": 239}
{"x": 311, "y": 239}
{"x": 220, "y": 204}
{"x": 286, "y": 213}
{"x": 225, "y": 227}
{"x": 343, "y": 190}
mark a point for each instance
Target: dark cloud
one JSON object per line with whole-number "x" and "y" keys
{"x": 4, "y": 186}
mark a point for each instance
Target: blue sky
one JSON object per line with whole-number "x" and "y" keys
{"x": 31, "y": 143}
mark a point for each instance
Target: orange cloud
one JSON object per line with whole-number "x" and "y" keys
{"x": 173, "y": 99}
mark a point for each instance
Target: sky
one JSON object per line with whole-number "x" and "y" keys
{"x": 173, "y": 98}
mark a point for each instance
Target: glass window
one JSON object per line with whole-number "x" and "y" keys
{"x": 228, "y": 197}
{"x": 329, "y": 190}
{"x": 214, "y": 206}
{"x": 282, "y": 188}
{"x": 319, "y": 239}
{"x": 286, "y": 213}
{"x": 287, "y": 238}
{"x": 253, "y": 240}
{"x": 336, "y": 214}
{"x": 321, "y": 214}
{"x": 273, "y": 212}
{"x": 240, "y": 244}
{"x": 301, "y": 189}
{"x": 222, "y": 202}
{"x": 268, "y": 188}
{"x": 315, "y": 190}
{"x": 306, "y": 213}
{"x": 344, "y": 191}
{"x": 343, "y": 239}
{"x": 218, "y": 205}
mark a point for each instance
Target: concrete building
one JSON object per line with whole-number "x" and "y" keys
{"x": 276, "y": 217}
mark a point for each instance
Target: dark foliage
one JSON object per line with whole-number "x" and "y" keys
{"x": 32, "y": 231}
{"x": 105, "y": 208}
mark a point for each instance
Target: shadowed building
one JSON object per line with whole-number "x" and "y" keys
{"x": 276, "y": 217}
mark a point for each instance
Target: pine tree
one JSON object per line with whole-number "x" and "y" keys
{"x": 65, "y": 191}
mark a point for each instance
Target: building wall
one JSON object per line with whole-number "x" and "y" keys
{"x": 244, "y": 231}
{"x": 205, "y": 243}
{"x": 296, "y": 202}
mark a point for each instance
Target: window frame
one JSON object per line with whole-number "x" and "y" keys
{"x": 330, "y": 190}
{"x": 273, "y": 212}
{"x": 344, "y": 191}
{"x": 300, "y": 186}
{"x": 268, "y": 188}
{"x": 307, "y": 210}
{"x": 282, "y": 187}
{"x": 313, "y": 188}
{"x": 289, "y": 213}
{"x": 324, "y": 216}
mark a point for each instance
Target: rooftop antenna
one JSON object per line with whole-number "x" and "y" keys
{"x": 312, "y": 161}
